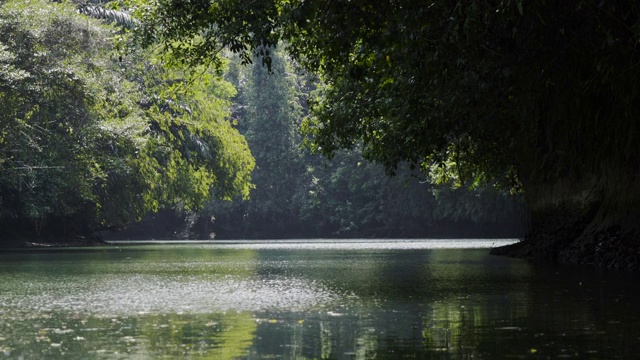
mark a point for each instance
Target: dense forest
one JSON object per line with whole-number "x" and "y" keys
{"x": 469, "y": 99}
{"x": 539, "y": 97}
{"x": 298, "y": 194}
{"x": 100, "y": 132}
{"x": 92, "y": 140}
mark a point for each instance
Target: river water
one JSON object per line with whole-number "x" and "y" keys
{"x": 354, "y": 299}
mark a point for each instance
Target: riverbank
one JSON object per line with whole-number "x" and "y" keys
{"x": 592, "y": 219}
{"x": 610, "y": 249}
{"x": 48, "y": 243}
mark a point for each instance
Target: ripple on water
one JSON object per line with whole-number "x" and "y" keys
{"x": 151, "y": 294}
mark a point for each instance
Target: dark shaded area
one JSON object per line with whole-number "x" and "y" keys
{"x": 561, "y": 236}
{"x": 394, "y": 228}
{"x": 166, "y": 225}
{"x": 55, "y": 232}
{"x": 163, "y": 225}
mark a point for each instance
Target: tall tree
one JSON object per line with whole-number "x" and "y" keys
{"x": 269, "y": 114}
{"x": 299, "y": 194}
{"x": 534, "y": 95}
{"x": 89, "y": 141}
{"x": 273, "y": 118}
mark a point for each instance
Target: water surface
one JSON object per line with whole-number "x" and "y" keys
{"x": 357, "y": 299}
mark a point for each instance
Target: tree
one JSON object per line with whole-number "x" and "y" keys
{"x": 272, "y": 120}
{"x": 299, "y": 194}
{"x": 268, "y": 114}
{"x": 536, "y": 96}
{"x": 89, "y": 142}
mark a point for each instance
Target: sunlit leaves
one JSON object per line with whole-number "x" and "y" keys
{"x": 92, "y": 140}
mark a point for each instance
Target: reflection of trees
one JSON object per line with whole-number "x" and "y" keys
{"x": 456, "y": 328}
{"x": 433, "y": 302}
{"x": 334, "y": 333}
{"x": 459, "y": 322}
{"x": 60, "y": 335}
{"x": 212, "y": 336}
{"x": 54, "y": 277}
{"x": 226, "y": 335}
{"x": 440, "y": 296}
{"x": 430, "y": 304}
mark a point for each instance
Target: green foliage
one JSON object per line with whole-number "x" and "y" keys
{"x": 89, "y": 141}
{"x": 272, "y": 119}
{"x": 507, "y": 91}
{"x": 268, "y": 112}
{"x": 191, "y": 145}
{"x": 349, "y": 196}
{"x": 299, "y": 194}
{"x": 47, "y": 168}
{"x": 197, "y": 32}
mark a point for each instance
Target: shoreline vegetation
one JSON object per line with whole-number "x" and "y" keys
{"x": 539, "y": 98}
{"x": 76, "y": 244}
{"x": 39, "y": 244}
{"x": 158, "y": 148}
{"x": 97, "y": 241}
{"x": 485, "y": 112}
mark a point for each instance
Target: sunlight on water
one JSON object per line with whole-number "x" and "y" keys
{"x": 205, "y": 278}
{"x": 353, "y": 299}
{"x": 350, "y": 244}
{"x": 144, "y": 294}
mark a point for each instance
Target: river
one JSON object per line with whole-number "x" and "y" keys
{"x": 322, "y": 299}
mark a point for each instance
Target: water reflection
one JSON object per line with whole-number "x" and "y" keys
{"x": 205, "y": 301}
